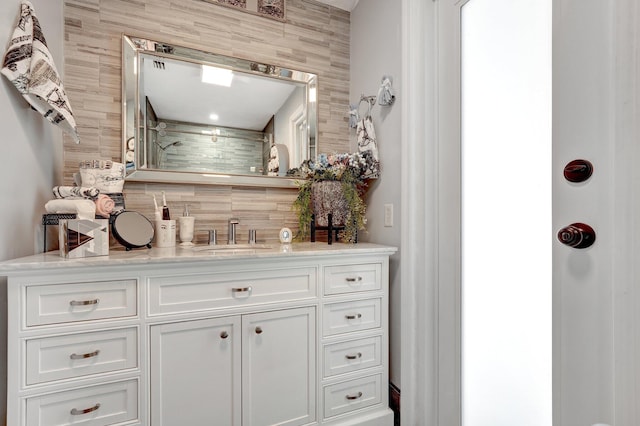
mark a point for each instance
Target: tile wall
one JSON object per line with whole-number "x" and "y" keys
{"x": 314, "y": 38}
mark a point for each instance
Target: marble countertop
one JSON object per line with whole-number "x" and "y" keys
{"x": 200, "y": 253}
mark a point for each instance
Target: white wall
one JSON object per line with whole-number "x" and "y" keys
{"x": 31, "y": 160}
{"x": 32, "y": 157}
{"x": 376, "y": 51}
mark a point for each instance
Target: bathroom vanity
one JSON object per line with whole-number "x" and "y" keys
{"x": 287, "y": 335}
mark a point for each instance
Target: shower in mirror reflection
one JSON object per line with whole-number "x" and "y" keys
{"x": 162, "y": 156}
{"x": 164, "y": 148}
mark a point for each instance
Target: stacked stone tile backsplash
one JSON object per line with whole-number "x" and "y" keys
{"x": 314, "y": 38}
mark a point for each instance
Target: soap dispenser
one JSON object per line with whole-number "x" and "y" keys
{"x": 186, "y": 224}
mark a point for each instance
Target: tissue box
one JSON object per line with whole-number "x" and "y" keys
{"x": 83, "y": 237}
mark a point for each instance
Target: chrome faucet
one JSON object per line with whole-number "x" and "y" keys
{"x": 232, "y": 230}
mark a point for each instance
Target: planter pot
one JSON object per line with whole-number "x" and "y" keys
{"x": 327, "y": 197}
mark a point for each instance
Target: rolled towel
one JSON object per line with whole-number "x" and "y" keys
{"x": 75, "y": 191}
{"x": 104, "y": 205}
{"x": 84, "y": 209}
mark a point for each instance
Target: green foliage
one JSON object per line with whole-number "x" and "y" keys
{"x": 356, "y": 220}
{"x": 354, "y": 172}
{"x": 302, "y": 205}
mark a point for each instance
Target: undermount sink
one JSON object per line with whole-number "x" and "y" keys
{"x": 233, "y": 247}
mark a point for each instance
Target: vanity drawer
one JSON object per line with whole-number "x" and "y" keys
{"x": 212, "y": 291}
{"x": 352, "y": 278}
{"x": 346, "y": 317}
{"x": 109, "y": 404}
{"x": 354, "y": 355}
{"x": 60, "y": 303}
{"x": 341, "y": 398}
{"x": 75, "y": 355}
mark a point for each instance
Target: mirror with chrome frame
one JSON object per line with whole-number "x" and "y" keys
{"x": 191, "y": 116}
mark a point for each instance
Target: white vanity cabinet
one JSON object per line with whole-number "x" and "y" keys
{"x": 186, "y": 337}
{"x": 235, "y": 370}
{"x": 195, "y": 372}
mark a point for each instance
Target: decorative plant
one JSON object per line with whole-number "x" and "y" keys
{"x": 353, "y": 171}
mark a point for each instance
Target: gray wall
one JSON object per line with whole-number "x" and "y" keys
{"x": 32, "y": 158}
{"x": 376, "y": 51}
{"x": 31, "y": 161}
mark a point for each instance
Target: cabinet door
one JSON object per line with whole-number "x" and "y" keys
{"x": 195, "y": 373}
{"x": 279, "y": 367}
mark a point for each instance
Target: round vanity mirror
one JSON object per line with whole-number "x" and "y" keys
{"x": 132, "y": 229}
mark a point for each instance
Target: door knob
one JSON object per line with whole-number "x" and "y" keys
{"x": 577, "y": 235}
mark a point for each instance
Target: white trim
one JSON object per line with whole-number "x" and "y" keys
{"x": 298, "y": 131}
{"x": 626, "y": 93}
{"x": 419, "y": 179}
{"x": 429, "y": 395}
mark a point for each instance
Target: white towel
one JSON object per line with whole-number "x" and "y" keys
{"x": 85, "y": 209}
{"x": 367, "y": 137}
{"x": 385, "y": 93}
{"x": 28, "y": 64}
{"x": 75, "y": 192}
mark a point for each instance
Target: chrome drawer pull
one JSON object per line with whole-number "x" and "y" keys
{"x": 84, "y": 302}
{"x": 224, "y": 335}
{"x": 241, "y": 289}
{"x": 353, "y": 280}
{"x": 83, "y": 356}
{"x": 356, "y": 316}
{"x": 352, "y": 397}
{"x": 76, "y": 412}
{"x": 356, "y": 356}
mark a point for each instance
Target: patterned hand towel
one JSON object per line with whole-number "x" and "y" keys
{"x": 29, "y": 66}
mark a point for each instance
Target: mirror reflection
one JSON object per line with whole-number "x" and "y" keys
{"x": 193, "y": 116}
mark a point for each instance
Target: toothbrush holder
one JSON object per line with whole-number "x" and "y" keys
{"x": 165, "y": 233}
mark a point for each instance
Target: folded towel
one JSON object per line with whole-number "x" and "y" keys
{"x": 75, "y": 192}
{"x": 84, "y": 209}
{"x": 28, "y": 64}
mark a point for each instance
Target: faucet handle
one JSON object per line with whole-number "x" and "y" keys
{"x": 232, "y": 230}
{"x": 213, "y": 237}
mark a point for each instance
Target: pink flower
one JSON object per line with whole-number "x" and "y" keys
{"x": 104, "y": 205}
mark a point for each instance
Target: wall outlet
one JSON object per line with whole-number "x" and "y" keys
{"x": 388, "y": 215}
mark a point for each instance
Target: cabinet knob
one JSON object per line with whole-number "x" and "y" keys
{"x": 258, "y": 330}
{"x": 224, "y": 335}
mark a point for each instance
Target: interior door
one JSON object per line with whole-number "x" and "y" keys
{"x": 546, "y": 331}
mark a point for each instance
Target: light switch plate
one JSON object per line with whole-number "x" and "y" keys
{"x": 388, "y": 215}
